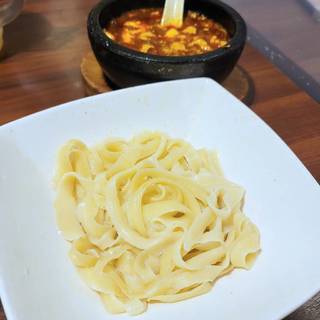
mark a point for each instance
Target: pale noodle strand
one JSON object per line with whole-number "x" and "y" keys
{"x": 150, "y": 219}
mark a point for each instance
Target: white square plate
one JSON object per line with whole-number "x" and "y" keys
{"x": 37, "y": 280}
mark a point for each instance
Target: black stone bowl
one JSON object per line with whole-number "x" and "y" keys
{"x": 126, "y": 67}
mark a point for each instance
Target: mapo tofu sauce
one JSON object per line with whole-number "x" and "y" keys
{"x": 141, "y": 30}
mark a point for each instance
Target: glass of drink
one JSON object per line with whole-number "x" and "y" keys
{"x": 9, "y": 9}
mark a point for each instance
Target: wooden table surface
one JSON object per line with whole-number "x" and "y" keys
{"x": 44, "y": 46}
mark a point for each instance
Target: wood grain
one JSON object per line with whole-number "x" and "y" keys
{"x": 44, "y": 47}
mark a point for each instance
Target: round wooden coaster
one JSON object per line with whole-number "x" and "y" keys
{"x": 238, "y": 83}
